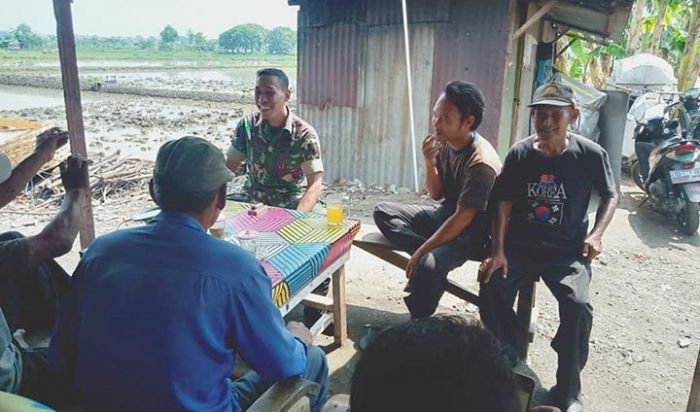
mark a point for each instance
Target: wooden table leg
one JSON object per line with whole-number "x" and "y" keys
{"x": 340, "y": 315}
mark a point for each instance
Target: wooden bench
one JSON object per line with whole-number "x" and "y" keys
{"x": 290, "y": 395}
{"x": 376, "y": 244}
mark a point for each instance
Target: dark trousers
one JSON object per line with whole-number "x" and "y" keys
{"x": 408, "y": 227}
{"x": 568, "y": 277}
{"x": 29, "y": 299}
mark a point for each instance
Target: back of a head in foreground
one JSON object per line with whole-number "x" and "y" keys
{"x": 442, "y": 363}
{"x": 188, "y": 174}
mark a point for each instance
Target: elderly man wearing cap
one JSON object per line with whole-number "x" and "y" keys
{"x": 31, "y": 282}
{"x": 156, "y": 315}
{"x": 541, "y": 229}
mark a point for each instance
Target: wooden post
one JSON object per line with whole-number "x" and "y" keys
{"x": 74, "y": 109}
{"x": 694, "y": 400}
{"x": 340, "y": 310}
{"x": 534, "y": 19}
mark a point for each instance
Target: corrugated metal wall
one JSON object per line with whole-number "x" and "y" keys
{"x": 352, "y": 76}
{"x": 472, "y": 47}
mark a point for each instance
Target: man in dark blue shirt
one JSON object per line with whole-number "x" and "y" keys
{"x": 156, "y": 314}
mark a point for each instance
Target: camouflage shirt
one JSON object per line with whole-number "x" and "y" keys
{"x": 277, "y": 159}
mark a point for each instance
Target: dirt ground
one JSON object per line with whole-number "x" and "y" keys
{"x": 646, "y": 332}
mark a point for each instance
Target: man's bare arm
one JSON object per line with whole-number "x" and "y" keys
{"x": 47, "y": 144}
{"x": 500, "y": 225}
{"x": 593, "y": 244}
{"x": 604, "y": 214}
{"x": 432, "y": 183}
{"x": 497, "y": 260}
{"x": 449, "y": 231}
{"x": 313, "y": 192}
{"x": 57, "y": 238}
{"x": 233, "y": 164}
{"x": 451, "y": 228}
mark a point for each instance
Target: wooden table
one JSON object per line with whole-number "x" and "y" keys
{"x": 299, "y": 251}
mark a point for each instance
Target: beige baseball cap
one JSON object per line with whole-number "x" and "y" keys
{"x": 5, "y": 168}
{"x": 553, "y": 94}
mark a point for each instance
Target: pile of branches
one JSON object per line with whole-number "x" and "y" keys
{"x": 109, "y": 176}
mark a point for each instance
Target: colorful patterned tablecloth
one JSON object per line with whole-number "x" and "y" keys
{"x": 294, "y": 247}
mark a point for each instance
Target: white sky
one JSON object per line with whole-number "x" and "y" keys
{"x": 148, "y": 17}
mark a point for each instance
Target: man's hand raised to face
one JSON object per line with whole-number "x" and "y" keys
{"x": 431, "y": 147}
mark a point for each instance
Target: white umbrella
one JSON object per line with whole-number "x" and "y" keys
{"x": 644, "y": 71}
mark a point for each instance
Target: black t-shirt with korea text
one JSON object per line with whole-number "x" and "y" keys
{"x": 550, "y": 195}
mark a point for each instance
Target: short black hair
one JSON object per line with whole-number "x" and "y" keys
{"x": 178, "y": 202}
{"x": 468, "y": 100}
{"x": 441, "y": 363}
{"x": 279, "y": 74}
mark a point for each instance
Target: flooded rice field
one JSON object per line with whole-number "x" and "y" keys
{"x": 135, "y": 125}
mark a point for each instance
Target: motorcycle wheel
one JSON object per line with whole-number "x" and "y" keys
{"x": 689, "y": 217}
{"x": 636, "y": 174}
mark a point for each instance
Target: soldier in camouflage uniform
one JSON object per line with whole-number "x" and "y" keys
{"x": 280, "y": 150}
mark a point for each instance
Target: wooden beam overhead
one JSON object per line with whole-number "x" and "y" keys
{"x": 534, "y": 19}
{"x": 74, "y": 108}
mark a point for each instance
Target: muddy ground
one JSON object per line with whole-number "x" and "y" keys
{"x": 645, "y": 293}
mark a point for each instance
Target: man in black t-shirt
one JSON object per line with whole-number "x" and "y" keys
{"x": 541, "y": 229}
{"x": 461, "y": 168}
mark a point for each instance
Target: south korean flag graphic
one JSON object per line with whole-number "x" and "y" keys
{"x": 546, "y": 201}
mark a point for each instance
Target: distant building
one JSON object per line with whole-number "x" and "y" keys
{"x": 13, "y": 45}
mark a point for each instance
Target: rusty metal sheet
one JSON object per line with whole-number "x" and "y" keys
{"x": 329, "y": 61}
{"x": 352, "y": 76}
{"x": 472, "y": 47}
{"x": 418, "y": 11}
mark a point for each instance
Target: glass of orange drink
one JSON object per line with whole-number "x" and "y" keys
{"x": 334, "y": 211}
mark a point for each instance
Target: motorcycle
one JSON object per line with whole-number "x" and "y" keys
{"x": 669, "y": 139}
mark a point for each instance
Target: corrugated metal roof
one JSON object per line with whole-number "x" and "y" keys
{"x": 596, "y": 17}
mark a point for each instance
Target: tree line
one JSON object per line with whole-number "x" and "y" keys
{"x": 241, "y": 39}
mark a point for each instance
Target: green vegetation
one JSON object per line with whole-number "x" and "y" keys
{"x": 281, "y": 40}
{"x": 251, "y": 40}
{"x": 666, "y": 28}
{"x": 168, "y": 36}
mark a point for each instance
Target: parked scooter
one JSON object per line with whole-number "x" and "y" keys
{"x": 672, "y": 150}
